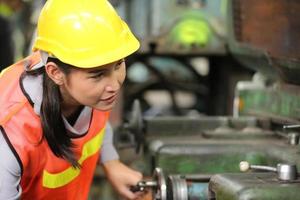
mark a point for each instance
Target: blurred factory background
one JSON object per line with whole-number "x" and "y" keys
{"x": 215, "y": 82}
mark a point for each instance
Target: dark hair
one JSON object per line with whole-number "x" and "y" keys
{"x": 53, "y": 126}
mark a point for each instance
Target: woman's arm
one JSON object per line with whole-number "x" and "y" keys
{"x": 119, "y": 175}
{"x": 108, "y": 151}
{"x": 122, "y": 178}
{"x": 10, "y": 172}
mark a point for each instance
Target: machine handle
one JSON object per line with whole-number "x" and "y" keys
{"x": 142, "y": 185}
{"x": 285, "y": 172}
{"x": 136, "y": 188}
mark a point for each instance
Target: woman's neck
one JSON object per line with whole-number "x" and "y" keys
{"x": 69, "y": 110}
{"x": 68, "y": 105}
{"x": 72, "y": 117}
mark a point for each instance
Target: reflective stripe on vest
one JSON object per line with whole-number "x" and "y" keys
{"x": 60, "y": 179}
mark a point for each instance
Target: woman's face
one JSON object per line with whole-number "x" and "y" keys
{"x": 96, "y": 87}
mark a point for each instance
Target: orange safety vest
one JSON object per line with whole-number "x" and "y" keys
{"x": 45, "y": 176}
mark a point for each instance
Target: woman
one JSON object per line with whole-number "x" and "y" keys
{"x": 55, "y": 104}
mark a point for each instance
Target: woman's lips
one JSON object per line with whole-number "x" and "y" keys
{"x": 110, "y": 99}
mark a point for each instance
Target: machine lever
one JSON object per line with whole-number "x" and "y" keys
{"x": 291, "y": 126}
{"x": 285, "y": 172}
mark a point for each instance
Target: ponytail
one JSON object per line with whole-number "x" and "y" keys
{"x": 54, "y": 130}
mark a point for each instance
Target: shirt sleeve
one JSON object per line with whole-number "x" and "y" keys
{"x": 10, "y": 172}
{"x": 108, "y": 151}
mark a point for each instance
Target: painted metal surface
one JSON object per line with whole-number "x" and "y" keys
{"x": 177, "y": 26}
{"x": 281, "y": 102}
{"x": 254, "y": 186}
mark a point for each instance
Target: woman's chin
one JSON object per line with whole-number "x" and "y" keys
{"x": 104, "y": 107}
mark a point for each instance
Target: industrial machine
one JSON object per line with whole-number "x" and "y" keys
{"x": 183, "y": 53}
{"x": 253, "y": 154}
{"x": 203, "y": 158}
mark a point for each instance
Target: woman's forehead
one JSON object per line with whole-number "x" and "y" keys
{"x": 100, "y": 68}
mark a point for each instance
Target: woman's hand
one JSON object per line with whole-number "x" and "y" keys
{"x": 122, "y": 177}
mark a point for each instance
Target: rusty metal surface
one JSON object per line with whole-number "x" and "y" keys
{"x": 265, "y": 35}
{"x": 272, "y": 25}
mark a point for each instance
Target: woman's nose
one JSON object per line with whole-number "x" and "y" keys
{"x": 113, "y": 85}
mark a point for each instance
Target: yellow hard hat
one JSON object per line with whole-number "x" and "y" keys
{"x": 83, "y": 33}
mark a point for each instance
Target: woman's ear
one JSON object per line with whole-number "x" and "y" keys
{"x": 55, "y": 73}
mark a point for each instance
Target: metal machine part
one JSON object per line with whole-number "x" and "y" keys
{"x": 142, "y": 185}
{"x": 186, "y": 187}
{"x": 285, "y": 172}
{"x": 160, "y": 191}
{"x": 176, "y": 187}
{"x": 293, "y": 137}
{"x": 229, "y": 127}
{"x": 135, "y": 125}
{"x": 158, "y": 185}
{"x": 291, "y": 126}
{"x": 179, "y": 189}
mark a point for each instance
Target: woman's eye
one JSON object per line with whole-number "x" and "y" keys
{"x": 98, "y": 75}
{"x": 119, "y": 64}
{"x": 121, "y": 61}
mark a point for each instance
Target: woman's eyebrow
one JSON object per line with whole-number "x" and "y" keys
{"x": 105, "y": 68}
{"x": 96, "y": 71}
